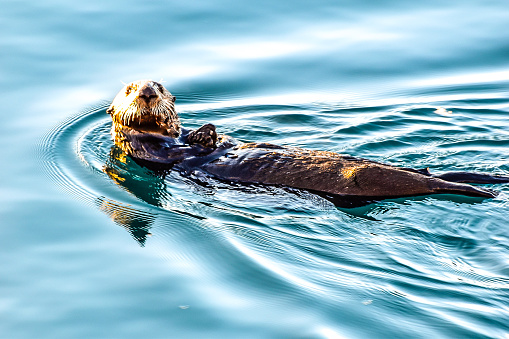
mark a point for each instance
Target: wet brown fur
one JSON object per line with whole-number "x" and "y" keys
{"x": 136, "y": 116}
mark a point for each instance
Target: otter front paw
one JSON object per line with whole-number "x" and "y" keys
{"x": 205, "y": 136}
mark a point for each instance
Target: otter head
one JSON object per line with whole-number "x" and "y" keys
{"x": 145, "y": 106}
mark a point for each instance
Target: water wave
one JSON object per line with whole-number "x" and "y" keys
{"x": 428, "y": 254}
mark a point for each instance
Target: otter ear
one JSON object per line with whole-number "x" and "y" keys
{"x": 173, "y": 99}
{"x": 110, "y": 110}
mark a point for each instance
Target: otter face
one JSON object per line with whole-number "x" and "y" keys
{"x": 145, "y": 106}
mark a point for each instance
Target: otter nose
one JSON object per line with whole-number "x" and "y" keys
{"x": 147, "y": 93}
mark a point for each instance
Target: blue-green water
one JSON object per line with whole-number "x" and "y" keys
{"x": 94, "y": 246}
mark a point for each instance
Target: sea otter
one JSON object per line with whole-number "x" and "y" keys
{"x": 146, "y": 127}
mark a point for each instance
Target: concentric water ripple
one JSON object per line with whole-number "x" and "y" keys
{"x": 439, "y": 257}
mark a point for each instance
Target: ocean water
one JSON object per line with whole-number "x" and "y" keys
{"x": 94, "y": 246}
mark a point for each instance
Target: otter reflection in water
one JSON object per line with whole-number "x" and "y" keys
{"x": 148, "y": 188}
{"x": 146, "y": 127}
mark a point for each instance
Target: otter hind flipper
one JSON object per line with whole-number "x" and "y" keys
{"x": 473, "y": 178}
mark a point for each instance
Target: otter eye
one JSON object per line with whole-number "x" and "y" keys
{"x": 160, "y": 87}
{"x": 128, "y": 90}
{"x": 173, "y": 99}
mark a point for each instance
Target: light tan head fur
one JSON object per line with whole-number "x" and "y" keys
{"x": 145, "y": 106}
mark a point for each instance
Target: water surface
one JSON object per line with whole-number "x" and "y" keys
{"x": 96, "y": 246}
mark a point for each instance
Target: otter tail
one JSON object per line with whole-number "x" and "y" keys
{"x": 446, "y": 187}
